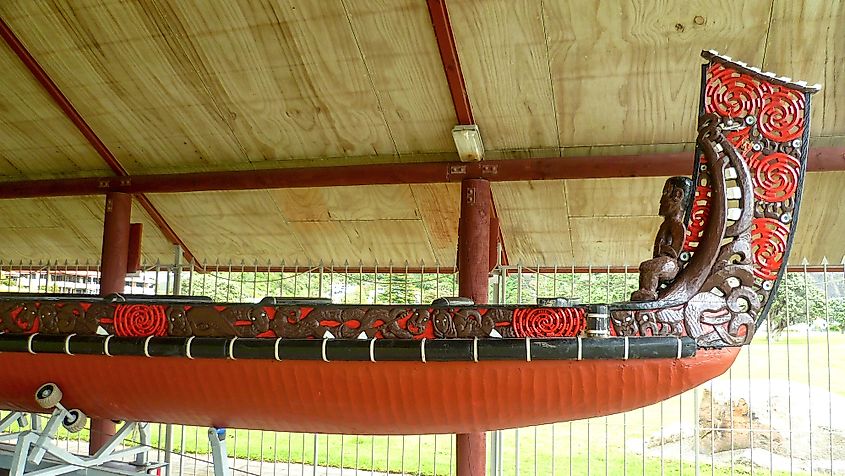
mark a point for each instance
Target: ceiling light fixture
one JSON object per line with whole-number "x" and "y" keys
{"x": 468, "y": 142}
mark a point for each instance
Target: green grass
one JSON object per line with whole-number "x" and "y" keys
{"x": 588, "y": 447}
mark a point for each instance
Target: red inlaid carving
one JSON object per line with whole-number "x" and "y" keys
{"x": 549, "y": 322}
{"x": 768, "y": 243}
{"x": 782, "y": 117}
{"x": 698, "y": 217}
{"x": 731, "y": 94}
{"x": 140, "y": 320}
{"x": 775, "y": 176}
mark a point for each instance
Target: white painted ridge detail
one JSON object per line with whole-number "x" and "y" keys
{"x": 733, "y": 193}
{"x": 734, "y": 213}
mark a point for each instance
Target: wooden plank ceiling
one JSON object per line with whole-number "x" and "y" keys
{"x": 211, "y": 85}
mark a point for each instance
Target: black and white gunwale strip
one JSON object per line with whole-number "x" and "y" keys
{"x": 370, "y": 350}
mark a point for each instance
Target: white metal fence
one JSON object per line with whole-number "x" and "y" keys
{"x": 778, "y": 410}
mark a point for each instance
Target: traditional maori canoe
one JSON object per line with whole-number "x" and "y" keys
{"x": 449, "y": 367}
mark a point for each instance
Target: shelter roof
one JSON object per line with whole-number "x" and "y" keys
{"x": 173, "y": 87}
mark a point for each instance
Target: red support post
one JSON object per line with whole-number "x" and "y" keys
{"x": 473, "y": 273}
{"x": 133, "y": 254}
{"x": 112, "y": 280}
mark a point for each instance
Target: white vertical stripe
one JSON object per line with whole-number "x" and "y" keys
{"x": 232, "y": 347}
{"x": 422, "y": 350}
{"x": 580, "y": 349}
{"x": 276, "y": 349}
{"x": 29, "y": 343}
{"x": 528, "y": 349}
{"x": 67, "y": 344}
{"x": 188, "y": 347}
{"x": 147, "y": 346}
{"x": 106, "y": 345}
{"x": 627, "y": 347}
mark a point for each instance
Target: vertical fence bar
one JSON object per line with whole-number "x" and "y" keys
{"x": 52, "y": 276}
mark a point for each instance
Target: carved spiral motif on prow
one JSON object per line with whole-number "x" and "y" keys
{"x": 731, "y": 94}
{"x": 769, "y": 238}
{"x": 782, "y": 118}
{"x": 140, "y": 320}
{"x": 549, "y": 322}
{"x": 776, "y": 177}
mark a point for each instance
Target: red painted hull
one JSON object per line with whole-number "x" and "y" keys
{"x": 352, "y": 397}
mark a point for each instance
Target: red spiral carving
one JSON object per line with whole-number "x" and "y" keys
{"x": 776, "y": 177}
{"x": 549, "y": 322}
{"x": 732, "y": 94}
{"x": 698, "y": 217}
{"x": 782, "y": 117}
{"x": 768, "y": 244}
{"x": 140, "y": 320}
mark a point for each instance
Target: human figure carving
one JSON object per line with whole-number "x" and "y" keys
{"x": 665, "y": 265}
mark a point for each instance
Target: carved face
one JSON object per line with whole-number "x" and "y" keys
{"x": 670, "y": 201}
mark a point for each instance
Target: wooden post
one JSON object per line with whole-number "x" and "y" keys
{"x": 113, "y": 263}
{"x": 473, "y": 272}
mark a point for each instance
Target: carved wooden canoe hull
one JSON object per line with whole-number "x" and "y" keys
{"x": 353, "y": 397}
{"x": 752, "y": 149}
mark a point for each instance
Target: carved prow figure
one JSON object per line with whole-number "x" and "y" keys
{"x": 665, "y": 264}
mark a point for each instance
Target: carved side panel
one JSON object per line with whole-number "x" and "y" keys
{"x": 290, "y": 322}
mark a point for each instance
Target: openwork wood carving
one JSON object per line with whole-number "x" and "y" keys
{"x": 752, "y": 142}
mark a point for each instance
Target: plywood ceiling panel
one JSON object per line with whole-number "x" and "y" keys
{"x": 68, "y": 228}
{"x": 377, "y": 202}
{"x": 439, "y": 206}
{"x": 807, "y": 41}
{"x": 398, "y": 44}
{"x": 629, "y": 74}
{"x": 389, "y": 242}
{"x": 374, "y": 224}
{"x": 617, "y": 197}
{"x": 223, "y": 226}
{"x": 199, "y": 85}
{"x": 126, "y": 76}
{"x": 617, "y": 241}
{"x": 821, "y": 227}
{"x": 503, "y": 55}
{"x": 535, "y": 221}
{"x": 36, "y": 139}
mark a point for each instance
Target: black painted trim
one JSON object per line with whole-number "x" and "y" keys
{"x": 378, "y": 350}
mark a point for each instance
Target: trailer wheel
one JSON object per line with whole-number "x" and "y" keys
{"x": 74, "y": 420}
{"x": 48, "y": 395}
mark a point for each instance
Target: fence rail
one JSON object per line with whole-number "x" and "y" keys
{"x": 778, "y": 410}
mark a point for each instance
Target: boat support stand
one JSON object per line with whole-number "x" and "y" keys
{"x": 34, "y": 444}
{"x": 217, "y": 442}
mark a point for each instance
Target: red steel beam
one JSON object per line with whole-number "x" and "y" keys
{"x": 73, "y": 115}
{"x": 821, "y": 159}
{"x": 451, "y": 64}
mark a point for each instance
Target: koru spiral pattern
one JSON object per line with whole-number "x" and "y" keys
{"x": 549, "y": 322}
{"x": 769, "y": 238}
{"x": 140, "y": 320}
{"x": 768, "y": 128}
